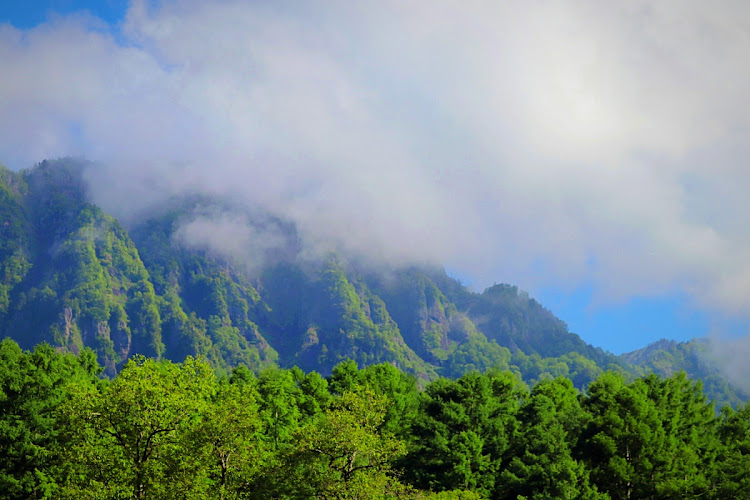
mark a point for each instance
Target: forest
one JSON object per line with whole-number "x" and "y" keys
{"x": 160, "y": 429}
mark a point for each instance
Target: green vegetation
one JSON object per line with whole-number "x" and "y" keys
{"x": 165, "y": 430}
{"x": 667, "y": 357}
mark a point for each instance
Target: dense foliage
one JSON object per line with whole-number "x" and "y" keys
{"x": 165, "y": 430}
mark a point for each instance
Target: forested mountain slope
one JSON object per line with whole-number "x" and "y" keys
{"x": 667, "y": 357}
{"x": 73, "y": 276}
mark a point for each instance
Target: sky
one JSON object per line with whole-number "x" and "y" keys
{"x": 592, "y": 153}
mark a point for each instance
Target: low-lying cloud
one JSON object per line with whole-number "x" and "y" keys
{"x": 236, "y": 237}
{"x": 542, "y": 143}
{"x": 731, "y": 355}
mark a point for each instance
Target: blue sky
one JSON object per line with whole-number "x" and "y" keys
{"x": 624, "y": 327}
{"x": 599, "y": 164}
{"x": 27, "y": 14}
{"x": 629, "y": 324}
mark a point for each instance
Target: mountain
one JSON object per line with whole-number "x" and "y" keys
{"x": 667, "y": 357}
{"x": 73, "y": 276}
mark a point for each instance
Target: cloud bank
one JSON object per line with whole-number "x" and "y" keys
{"x": 541, "y": 143}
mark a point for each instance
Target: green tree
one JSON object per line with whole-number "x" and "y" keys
{"x": 732, "y": 479}
{"x": 384, "y": 379}
{"x": 542, "y": 465}
{"x": 32, "y": 386}
{"x": 342, "y": 454}
{"x": 127, "y": 437}
{"x": 279, "y": 406}
{"x": 623, "y": 438}
{"x": 314, "y": 395}
{"x": 684, "y": 466}
{"x": 228, "y": 440}
{"x": 462, "y": 432}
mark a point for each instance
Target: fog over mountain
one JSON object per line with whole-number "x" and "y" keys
{"x": 547, "y": 144}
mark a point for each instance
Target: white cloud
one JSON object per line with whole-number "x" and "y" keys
{"x": 249, "y": 241}
{"x": 534, "y": 142}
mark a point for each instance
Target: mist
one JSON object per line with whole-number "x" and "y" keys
{"x": 540, "y": 143}
{"x": 731, "y": 355}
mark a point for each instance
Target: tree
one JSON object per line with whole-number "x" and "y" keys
{"x": 541, "y": 464}
{"x": 314, "y": 395}
{"x": 623, "y": 438}
{"x": 342, "y": 454}
{"x": 127, "y": 436}
{"x": 32, "y": 386}
{"x": 462, "y": 432}
{"x": 684, "y": 466}
{"x": 733, "y": 461}
{"x": 386, "y": 380}
{"x": 228, "y": 439}
{"x": 279, "y": 405}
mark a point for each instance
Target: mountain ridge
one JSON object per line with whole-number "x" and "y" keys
{"x": 75, "y": 277}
